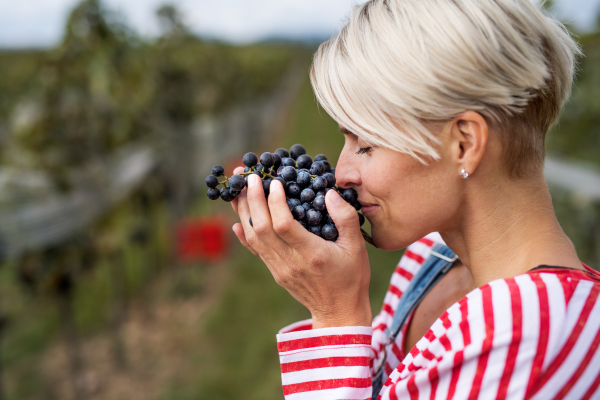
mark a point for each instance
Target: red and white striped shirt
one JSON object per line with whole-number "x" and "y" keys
{"x": 532, "y": 336}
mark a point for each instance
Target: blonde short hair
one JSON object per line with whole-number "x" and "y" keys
{"x": 399, "y": 65}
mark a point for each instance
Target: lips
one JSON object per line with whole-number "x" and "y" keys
{"x": 368, "y": 208}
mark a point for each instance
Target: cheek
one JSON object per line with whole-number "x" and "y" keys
{"x": 416, "y": 200}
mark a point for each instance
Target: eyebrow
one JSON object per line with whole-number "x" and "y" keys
{"x": 345, "y": 131}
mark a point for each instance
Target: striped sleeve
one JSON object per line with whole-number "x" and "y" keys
{"x": 329, "y": 363}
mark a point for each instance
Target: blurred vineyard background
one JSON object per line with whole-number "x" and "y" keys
{"x": 105, "y": 142}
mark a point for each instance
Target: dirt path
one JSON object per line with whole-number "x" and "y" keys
{"x": 157, "y": 339}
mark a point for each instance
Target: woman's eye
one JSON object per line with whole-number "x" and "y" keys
{"x": 364, "y": 150}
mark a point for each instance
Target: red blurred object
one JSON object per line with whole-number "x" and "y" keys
{"x": 233, "y": 164}
{"x": 203, "y": 239}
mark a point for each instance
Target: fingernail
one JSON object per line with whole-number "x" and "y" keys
{"x": 336, "y": 199}
{"x": 253, "y": 180}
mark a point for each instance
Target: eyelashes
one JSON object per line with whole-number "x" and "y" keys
{"x": 364, "y": 150}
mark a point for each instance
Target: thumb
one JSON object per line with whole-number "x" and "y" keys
{"x": 345, "y": 217}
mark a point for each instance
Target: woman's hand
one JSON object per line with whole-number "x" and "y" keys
{"x": 330, "y": 278}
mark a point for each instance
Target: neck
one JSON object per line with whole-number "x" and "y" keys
{"x": 508, "y": 229}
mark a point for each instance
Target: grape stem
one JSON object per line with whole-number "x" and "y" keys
{"x": 224, "y": 183}
{"x": 368, "y": 238}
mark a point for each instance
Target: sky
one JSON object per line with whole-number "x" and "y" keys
{"x": 39, "y": 23}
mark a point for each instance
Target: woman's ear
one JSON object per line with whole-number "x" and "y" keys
{"x": 469, "y": 136}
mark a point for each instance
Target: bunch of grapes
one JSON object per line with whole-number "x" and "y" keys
{"x": 306, "y": 182}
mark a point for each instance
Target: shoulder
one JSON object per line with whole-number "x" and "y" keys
{"x": 532, "y": 334}
{"x": 524, "y": 308}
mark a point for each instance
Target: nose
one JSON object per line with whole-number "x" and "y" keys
{"x": 347, "y": 173}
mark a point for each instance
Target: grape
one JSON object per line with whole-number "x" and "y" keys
{"x": 267, "y": 160}
{"x": 276, "y": 161}
{"x": 329, "y": 220}
{"x": 304, "y": 161}
{"x": 330, "y": 179}
{"x": 307, "y": 206}
{"x": 298, "y": 212}
{"x": 237, "y": 183}
{"x": 226, "y": 195}
{"x": 319, "y": 203}
{"x": 305, "y": 182}
{"x": 319, "y": 183}
{"x": 218, "y": 170}
{"x": 293, "y": 203}
{"x": 293, "y": 190}
{"x": 280, "y": 179}
{"x": 303, "y": 178}
{"x": 288, "y": 162}
{"x": 282, "y": 152}
{"x": 307, "y": 196}
{"x": 212, "y": 181}
{"x": 316, "y": 229}
{"x": 329, "y": 232}
{"x": 350, "y": 195}
{"x": 289, "y": 174}
{"x": 267, "y": 185}
{"x": 214, "y": 194}
{"x": 297, "y": 150}
{"x": 313, "y": 217}
{"x": 250, "y": 160}
{"x": 317, "y": 168}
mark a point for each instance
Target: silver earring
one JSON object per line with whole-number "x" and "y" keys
{"x": 464, "y": 174}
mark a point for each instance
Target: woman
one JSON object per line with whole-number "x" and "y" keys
{"x": 444, "y": 105}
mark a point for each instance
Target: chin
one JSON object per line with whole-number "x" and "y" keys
{"x": 390, "y": 239}
{"x": 386, "y": 240}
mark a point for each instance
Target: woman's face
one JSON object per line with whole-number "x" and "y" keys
{"x": 402, "y": 198}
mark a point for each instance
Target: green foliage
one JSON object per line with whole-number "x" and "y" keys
{"x": 577, "y": 137}
{"x": 66, "y": 110}
{"x": 577, "y": 134}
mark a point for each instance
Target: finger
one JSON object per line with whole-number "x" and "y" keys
{"x": 261, "y": 217}
{"x": 249, "y": 230}
{"x": 234, "y": 203}
{"x": 238, "y": 229}
{"x": 284, "y": 224}
{"x": 239, "y": 232}
{"x": 346, "y": 219}
{"x": 263, "y": 250}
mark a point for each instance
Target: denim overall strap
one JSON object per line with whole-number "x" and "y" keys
{"x": 434, "y": 268}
